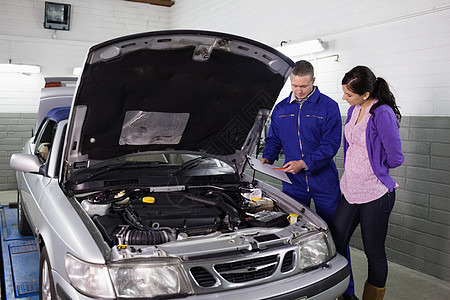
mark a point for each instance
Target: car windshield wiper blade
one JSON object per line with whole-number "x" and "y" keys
{"x": 90, "y": 173}
{"x": 189, "y": 165}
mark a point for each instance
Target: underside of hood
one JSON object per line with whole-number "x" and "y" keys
{"x": 190, "y": 91}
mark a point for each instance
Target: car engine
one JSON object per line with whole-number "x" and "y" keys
{"x": 142, "y": 217}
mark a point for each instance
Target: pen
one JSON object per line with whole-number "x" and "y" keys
{"x": 278, "y": 168}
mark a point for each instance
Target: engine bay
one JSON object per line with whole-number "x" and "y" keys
{"x": 158, "y": 216}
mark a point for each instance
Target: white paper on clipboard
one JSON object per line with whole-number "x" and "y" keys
{"x": 267, "y": 169}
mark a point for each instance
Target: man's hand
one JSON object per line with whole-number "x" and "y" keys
{"x": 294, "y": 166}
{"x": 265, "y": 161}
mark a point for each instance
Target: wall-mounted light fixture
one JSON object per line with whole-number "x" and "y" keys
{"x": 296, "y": 49}
{"x": 57, "y": 16}
{"x": 19, "y": 68}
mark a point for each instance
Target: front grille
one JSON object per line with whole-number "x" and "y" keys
{"x": 248, "y": 270}
{"x": 288, "y": 262}
{"x": 203, "y": 277}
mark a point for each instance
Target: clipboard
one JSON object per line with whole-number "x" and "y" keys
{"x": 267, "y": 169}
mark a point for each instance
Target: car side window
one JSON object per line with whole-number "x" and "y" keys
{"x": 44, "y": 139}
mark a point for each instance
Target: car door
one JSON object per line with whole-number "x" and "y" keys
{"x": 32, "y": 185}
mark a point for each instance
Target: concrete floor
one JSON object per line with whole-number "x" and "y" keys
{"x": 402, "y": 284}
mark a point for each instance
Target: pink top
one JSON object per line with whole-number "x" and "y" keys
{"x": 359, "y": 183}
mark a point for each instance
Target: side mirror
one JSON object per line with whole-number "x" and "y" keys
{"x": 23, "y": 162}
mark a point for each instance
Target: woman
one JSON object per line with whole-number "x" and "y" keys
{"x": 372, "y": 146}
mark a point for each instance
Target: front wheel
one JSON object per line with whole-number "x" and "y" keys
{"x": 46, "y": 285}
{"x": 22, "y": 224}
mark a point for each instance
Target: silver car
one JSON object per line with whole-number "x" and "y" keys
{"x": 137, "y": 183}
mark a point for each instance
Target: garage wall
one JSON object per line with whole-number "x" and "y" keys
{"x": 406, "y": 42}
{"x": 24, "y": 40}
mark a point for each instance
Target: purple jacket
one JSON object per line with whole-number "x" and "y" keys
{"x": 383, "y": 143}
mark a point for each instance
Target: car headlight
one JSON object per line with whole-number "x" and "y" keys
{"x": 149, "y": 278}
{"x": 315, "y": 250}
{"x": 138, "y": 278}
{"x": 89, "y": 279}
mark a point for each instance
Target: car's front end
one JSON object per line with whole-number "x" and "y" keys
{"x": 202, "y": 232}
{"x": 183, "y": 242}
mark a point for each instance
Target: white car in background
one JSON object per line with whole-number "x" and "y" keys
{"x": 134, "y": 182}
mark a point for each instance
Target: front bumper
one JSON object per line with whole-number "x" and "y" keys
{"x": 321, "y": 284}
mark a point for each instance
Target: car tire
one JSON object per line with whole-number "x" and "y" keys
{"x": 46, "y": 284}
{"x": 22, "y": 223}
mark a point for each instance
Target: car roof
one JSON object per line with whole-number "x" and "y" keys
{"x": 59, "y": 113}
{"x": 57, "y": 92}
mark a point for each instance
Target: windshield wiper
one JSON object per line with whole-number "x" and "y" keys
{"x": 188, "y": 165}
{"x": 90, "y": 173}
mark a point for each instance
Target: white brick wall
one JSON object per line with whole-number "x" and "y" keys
{"x": 406, "y": 42}
{"x": 23, "y": 39}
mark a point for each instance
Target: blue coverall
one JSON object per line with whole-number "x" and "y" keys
{"x": 311, "y": 132}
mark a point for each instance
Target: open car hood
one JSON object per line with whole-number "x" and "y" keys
{"x": 173, "y": 91}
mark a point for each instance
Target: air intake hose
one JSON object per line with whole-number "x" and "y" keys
{"x": 145, "y": 237}
{"x": 232, "y": 212}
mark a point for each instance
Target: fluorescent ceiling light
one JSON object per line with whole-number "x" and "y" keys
{"x": 17, "y": 68}
{"x": 297, "y": 49}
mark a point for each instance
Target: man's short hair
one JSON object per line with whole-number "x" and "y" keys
{"x": 303, "y": 68}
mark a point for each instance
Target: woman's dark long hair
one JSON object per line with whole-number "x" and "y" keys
{"x": 361, "y": 79}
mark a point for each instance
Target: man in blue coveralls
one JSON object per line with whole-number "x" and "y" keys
{"x": 307, "y": 126}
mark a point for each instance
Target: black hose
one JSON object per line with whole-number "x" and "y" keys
{"x": 133, "y": 219}
{"x": 226, "y": 197}
{"x": 145, "y": 237}
{"x": 233, "y": 214}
